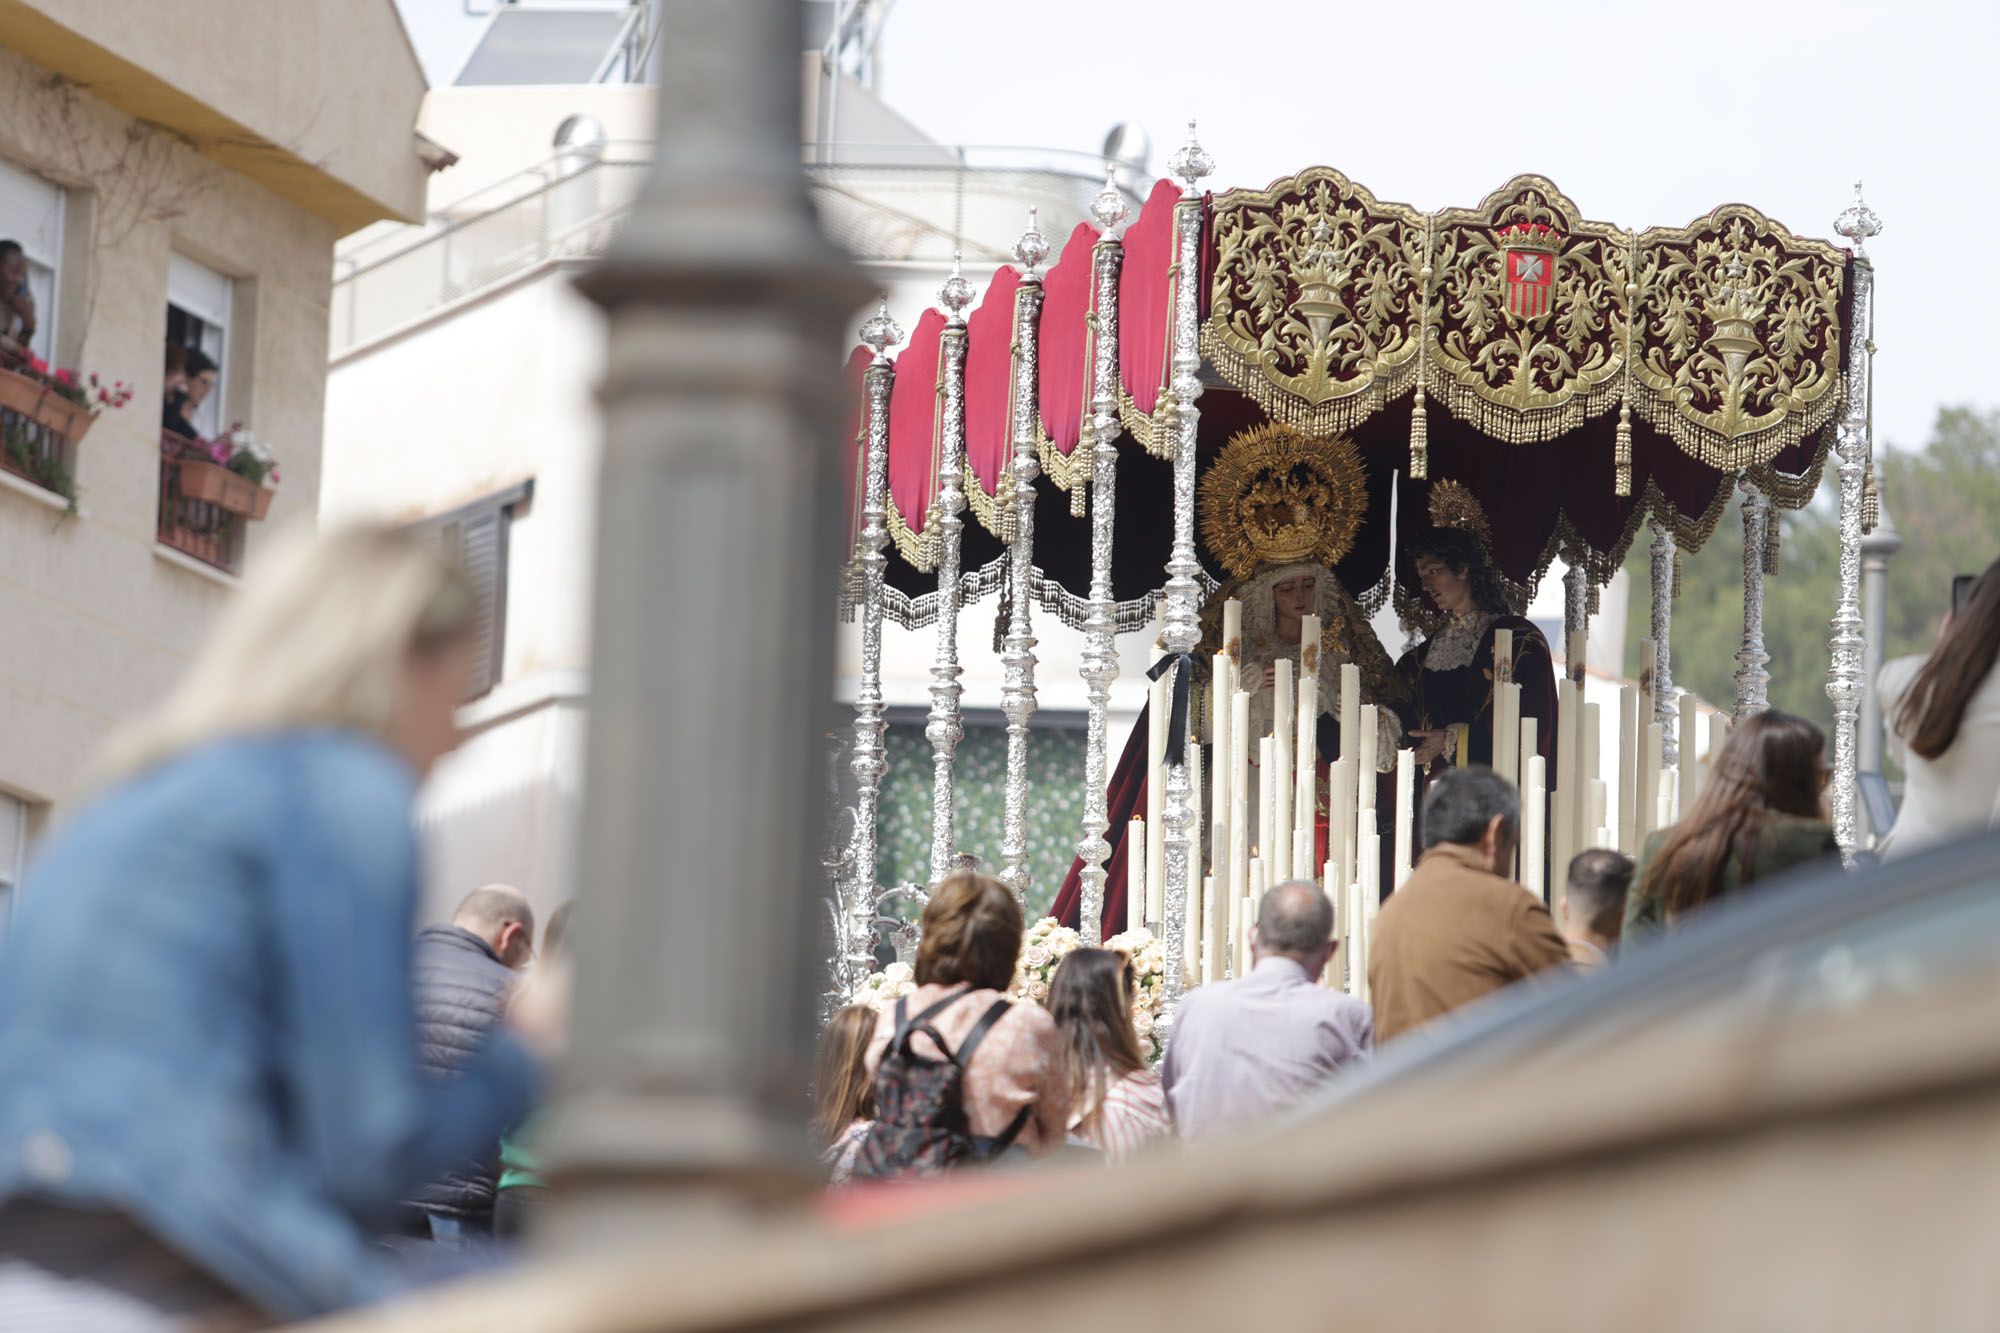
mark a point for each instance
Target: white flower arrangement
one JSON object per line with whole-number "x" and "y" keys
{"x": 1043, "y": 948}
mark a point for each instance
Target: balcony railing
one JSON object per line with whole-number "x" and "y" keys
{"x": 200, "y": 529}
{"x": 34, "y": 442}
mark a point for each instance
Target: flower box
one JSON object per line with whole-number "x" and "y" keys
{"x": 39, "y": 403}
{"x": 222, "y": 488}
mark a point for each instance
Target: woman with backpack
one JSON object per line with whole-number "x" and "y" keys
{"x": 1116, "y": 1104}
{"x": 962, "y": 1074}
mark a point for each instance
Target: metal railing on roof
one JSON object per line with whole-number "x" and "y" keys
{"x": 894, "y": 203}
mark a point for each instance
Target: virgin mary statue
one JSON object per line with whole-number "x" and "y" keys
{"x": 1278, "y": 511}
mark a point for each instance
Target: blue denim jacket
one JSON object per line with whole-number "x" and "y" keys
{"x": 205, "y": 1017}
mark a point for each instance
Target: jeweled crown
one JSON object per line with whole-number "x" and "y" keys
{"x": 1531, "y": 236}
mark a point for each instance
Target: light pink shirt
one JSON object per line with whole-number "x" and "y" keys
{"x": 1013, "y": 1066}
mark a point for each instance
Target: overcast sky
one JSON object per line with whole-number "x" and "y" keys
{"x": 1644, "y": 114}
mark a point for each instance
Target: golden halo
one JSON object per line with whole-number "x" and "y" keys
{"x": 1454, "y": 506}
{"x": 1276, "y": 496}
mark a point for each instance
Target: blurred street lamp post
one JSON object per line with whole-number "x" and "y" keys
{"x": 699, "y": 960}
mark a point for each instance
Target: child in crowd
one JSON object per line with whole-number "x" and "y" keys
{"x": 843, "y": 1092}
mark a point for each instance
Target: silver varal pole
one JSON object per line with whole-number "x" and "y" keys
{"x": 720, "y": 525}
{"x": 1576, "y": 620}
{"x": 1847, "y": 677}
{"x": 1666, "y": 709}
{"x": 1877, "y": 547}
{"x": 869, "y": 760}
{"x": 1753, "y": 680}
{"x": 1183, "y": 629}
{"x": 1100, "y": 642}
{"x": 944, "y": 728}
{"x": 1017, "y": 653}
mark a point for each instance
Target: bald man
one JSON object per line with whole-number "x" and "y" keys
{"x": 1242, "y": 1050}
{"x": 463, "y": 975}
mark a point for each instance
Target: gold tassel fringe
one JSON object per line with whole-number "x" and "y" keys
{"x": 1623, "y": 485}
{"x": 1420, "y": 439}
{"x": 1771, "y": 544}
{"x": 1871, "y": 503}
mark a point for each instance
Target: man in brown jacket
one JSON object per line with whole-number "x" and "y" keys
{"x": 1458, "y": 929}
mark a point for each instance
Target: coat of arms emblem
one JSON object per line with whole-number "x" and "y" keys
{"x": 1529, "y": 253}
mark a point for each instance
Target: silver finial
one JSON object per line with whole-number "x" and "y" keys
{"x": 1033, "y": 247}
{"x": 1857, "y": 222}
{"x": 1190, "y": 162}
{"x": 956, "y": 293}
{"x": 1109, "y": 206}
{"x": 880, "y": 332}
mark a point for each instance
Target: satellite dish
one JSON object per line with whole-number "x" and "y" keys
{"x": 581, "y": 136}
{"x": 1129, "y": 146}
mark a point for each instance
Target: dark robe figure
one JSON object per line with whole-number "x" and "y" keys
{"x": 1268, "y": 635}
{"x": 1450, "y": 674}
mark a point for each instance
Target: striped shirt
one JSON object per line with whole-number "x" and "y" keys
{"x": 1133, "y": 1115}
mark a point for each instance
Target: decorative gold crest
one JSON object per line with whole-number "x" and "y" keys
{"x": 1276, "y": 496}
{"x": 1315, "y": 298}
{"x": 1742, "y": 350}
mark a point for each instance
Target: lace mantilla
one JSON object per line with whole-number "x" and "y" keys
{"x": 1457, "y": 644}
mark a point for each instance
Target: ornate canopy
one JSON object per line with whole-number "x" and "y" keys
{"x": 1576, "y": 377}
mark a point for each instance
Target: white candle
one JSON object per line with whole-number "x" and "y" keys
{"x": 1600, "y": 820}
{"x": 1628, "y": 767}
{"x": 1258, "y": 876}
{"x": 1529, "y": 741}
{"x": 1689, "y": 784}
{"x": 1406, "y": 787}
{"x": 1191, "y": 926}
{"x": 1302, "y": 852}
{"x": 1649, "y": 794}
{"x": 1278, "y": 854}
{"x": 1505, "y": 706}
{"x": 1350, "y": 745}
{"x": 1305, "y": 765}
{"x": 1219, "y": 713}
{"x": 1135, "y": 875}
{"x": 1667, "y": 779}
{"x": 1534, "y": 824}
{"x": 1239, "y": 820}
{"x": 1267, "y": 808}
{"x": 1565, "y": 793}
{"x": 1590, "y": 759}
{"x": 1340, "y": 824}
{"x": 1153, "y": 852}
{"x": 1364, "y": 774}
{"x": 1232, "y": 631}
{"x": 1210, "y": 910}
{"x": 1350, "y": 941}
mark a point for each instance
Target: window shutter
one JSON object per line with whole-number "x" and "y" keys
{"x": 481, "y": 546}
{"x": 13, "y": 840}
{"x": 31, "y": 212}
{"x": 199, "y": 290}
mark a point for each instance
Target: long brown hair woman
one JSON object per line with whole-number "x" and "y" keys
{"x": 1117, "y": 1104}
{"x": 1761, "y": 811}
{"x": 1946, "y": 725}
{"x": 843, "y": 1092}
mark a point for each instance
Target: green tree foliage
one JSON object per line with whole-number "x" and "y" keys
{"x": 1943, "y": 499}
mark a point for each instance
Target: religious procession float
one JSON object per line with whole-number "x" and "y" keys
{"x": 1253, "y": 418}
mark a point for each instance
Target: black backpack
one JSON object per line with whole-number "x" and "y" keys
{"x": 920, "y": 1127}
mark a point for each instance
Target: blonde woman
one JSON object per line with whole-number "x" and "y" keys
{"x": 206, "y": 1050}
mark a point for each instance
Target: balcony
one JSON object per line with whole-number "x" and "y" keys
{"x": 39, "y": 432}
{"x": 204, "y": 507}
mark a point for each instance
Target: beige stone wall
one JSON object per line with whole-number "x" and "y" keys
{"x": 317, "y": 98}
{"x": 97, "y": 621}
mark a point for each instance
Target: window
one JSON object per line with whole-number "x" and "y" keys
{"x": 13, "y": 851}
{"x": 475, "y": 535}
{"x": 198, "y": 307}
{"x": 31, "y": 213}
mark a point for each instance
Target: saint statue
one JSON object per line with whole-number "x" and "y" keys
{"x": 1451, "y": 673}
{"x": 1278, "y": 511}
